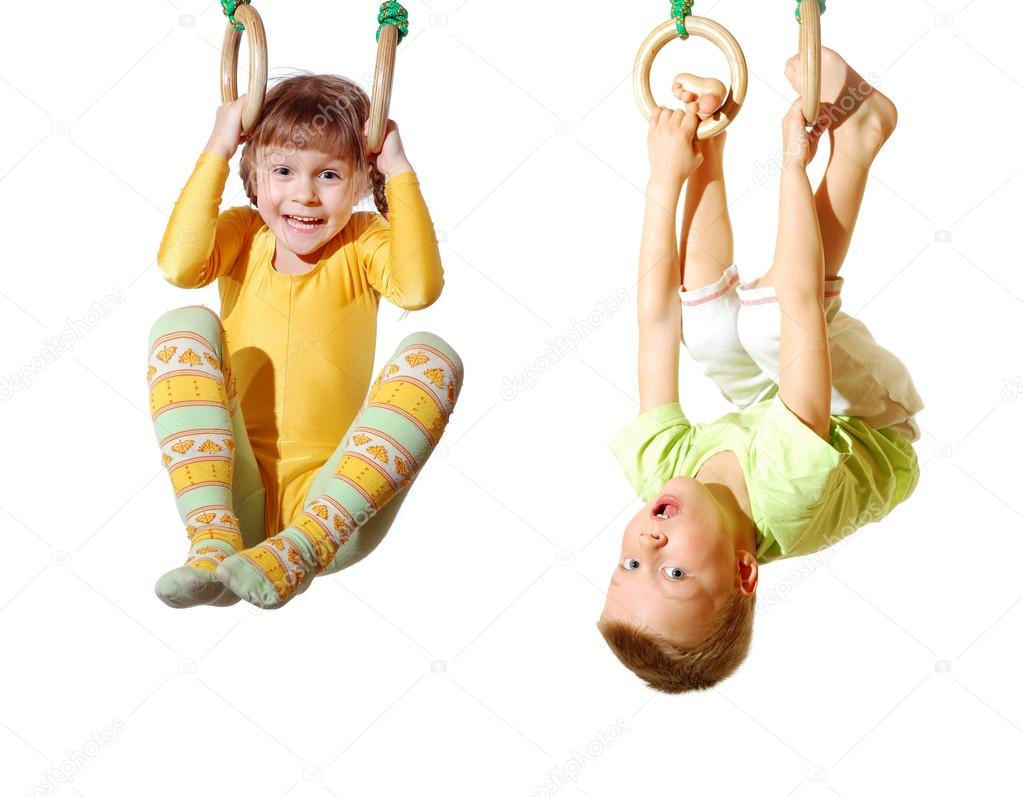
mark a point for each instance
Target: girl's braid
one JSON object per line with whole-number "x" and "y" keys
{"x": 379, "y": 196}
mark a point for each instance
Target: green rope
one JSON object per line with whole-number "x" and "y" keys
{"x": 680, "y": 9}
{"x": 392, "y": 13}
{"x": 799, "y": 4}
{"x": 230, "y": 6}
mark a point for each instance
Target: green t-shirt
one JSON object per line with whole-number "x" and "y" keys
{"x": 805, "y": 493}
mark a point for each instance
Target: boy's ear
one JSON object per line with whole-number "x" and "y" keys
{"x": 748, "y": 572}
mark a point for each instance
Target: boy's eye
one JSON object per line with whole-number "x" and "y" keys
{"x": 630, "y": 564}
{"x": 674, "y": 573}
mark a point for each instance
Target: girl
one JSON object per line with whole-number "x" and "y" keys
{"x": 276, "y": 453}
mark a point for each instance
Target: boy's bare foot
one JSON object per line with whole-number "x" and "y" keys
{"x": 704, "y": 95}
{"x": 859, "y": 116}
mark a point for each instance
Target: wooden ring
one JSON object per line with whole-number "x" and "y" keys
{"x": 249, "y": 17}
{"x": 383, "y": 80}
{"x": 810, "y": 56}
{"x": 716, "y": 34}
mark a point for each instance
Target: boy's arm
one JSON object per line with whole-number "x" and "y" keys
{"x": 673, "y": 157}
{"x": 804, "y": 382}
{"x": 401, "y": 258}
{"x": 659, "y": 308}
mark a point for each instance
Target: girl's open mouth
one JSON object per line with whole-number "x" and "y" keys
{"x": 303, "y": 226}
{"x": 666, "y": 507}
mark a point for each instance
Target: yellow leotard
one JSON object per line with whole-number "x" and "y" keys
{"x": 301, "y": 345}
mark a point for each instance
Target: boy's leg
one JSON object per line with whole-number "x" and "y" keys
{"x": 400, "y": 424}
{"x": 868, "y": 381}
{"x": 861, "y": 119}
{"x": 705, "y": 243}
{"x": 191, "y": 396}
{"x": 709, "y": 277}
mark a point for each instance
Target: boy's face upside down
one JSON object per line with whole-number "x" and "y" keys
{"x": 679, "y": 562}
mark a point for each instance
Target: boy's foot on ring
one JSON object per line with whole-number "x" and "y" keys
{"x": 859, "y": 116}
{"x": 704, "y": 95}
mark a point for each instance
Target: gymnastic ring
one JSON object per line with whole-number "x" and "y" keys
{"x": 383, "y": 80}
{"x": 716, "y": 34}
{"x": 249, "y": 17}
{"x": 810, "y": 57}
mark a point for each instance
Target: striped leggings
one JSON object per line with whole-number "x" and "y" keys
{"x": 217, "y": 484}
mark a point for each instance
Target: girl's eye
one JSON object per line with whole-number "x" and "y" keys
{"x": 285, "y": 168}
{"x": 630, "y": 564}
{"x": 674, "y": 573}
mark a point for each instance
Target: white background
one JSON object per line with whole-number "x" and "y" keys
{"x": 462, "y": 658}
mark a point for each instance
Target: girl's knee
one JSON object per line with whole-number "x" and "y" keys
{"x": 423, "y": 338}
{"x": 195, "y": 318}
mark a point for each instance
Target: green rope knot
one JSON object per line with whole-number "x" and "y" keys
{"x": 680, "y": 9}
{"x": 392, "y": 13}
{"x": 230, "y": 6}
{"x": 799, "y": 4}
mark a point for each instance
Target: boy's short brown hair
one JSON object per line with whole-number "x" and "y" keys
{"x": 668, "y": 667}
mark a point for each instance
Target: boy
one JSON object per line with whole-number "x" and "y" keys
{"x": 821, "y": 443}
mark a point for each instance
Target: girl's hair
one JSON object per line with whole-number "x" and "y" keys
{"x": 322, "y": 112}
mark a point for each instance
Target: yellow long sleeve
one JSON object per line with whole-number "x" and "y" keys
{"x": 401, "y": 257}
{"x": 200, "y": 244}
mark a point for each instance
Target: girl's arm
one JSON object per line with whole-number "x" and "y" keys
{"x": 673, "y": 158}
{"x": 804, "y": 383}
{"x": 200, "y": 244}
{"x": 401, "y": 257}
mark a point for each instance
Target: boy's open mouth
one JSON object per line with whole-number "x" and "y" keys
{"x": 666, "y": 507}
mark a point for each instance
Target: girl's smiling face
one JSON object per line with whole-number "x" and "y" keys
{"x": 306, "y": 184}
